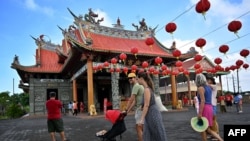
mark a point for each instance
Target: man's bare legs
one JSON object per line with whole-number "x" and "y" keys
{"x": 52, "y": 135}
{"x": 62, "y": 136}
{"x": 139, "y": 129}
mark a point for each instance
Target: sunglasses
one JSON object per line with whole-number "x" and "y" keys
{"x": 130, "y": 78}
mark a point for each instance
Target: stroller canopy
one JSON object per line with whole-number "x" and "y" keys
{"x": 112, "y": 115}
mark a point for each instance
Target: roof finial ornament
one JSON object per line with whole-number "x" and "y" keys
{"x": 90, "y": 17}
{"x": 118, "y": 23}
{"x": 143, "y": 25}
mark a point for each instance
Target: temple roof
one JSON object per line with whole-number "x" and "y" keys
{"x": 48, "y": 63}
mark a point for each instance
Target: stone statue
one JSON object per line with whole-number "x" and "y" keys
{"x": 143, "y": 25}
{"x": 90, "y": 17}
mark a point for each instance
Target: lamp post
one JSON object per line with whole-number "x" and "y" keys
{"x": 13, "y": 86}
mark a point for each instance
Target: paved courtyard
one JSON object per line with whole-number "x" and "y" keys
{"x": 84, "y": 127}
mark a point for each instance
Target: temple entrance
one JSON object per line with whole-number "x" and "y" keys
{"x": 104, "y": 91}
{"x": 52, "y": 90}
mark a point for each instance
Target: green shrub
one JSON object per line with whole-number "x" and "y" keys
{"x": 14, "y": 111}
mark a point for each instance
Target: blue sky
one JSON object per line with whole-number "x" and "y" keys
{"x": 22, "y": 18}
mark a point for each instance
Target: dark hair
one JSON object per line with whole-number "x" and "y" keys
{"x": 147, "y": 78}
{"x": 212, "y": 79}
{"x": 52, "y": 94}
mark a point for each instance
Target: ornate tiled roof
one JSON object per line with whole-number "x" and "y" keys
{"x": 48, "y": 63}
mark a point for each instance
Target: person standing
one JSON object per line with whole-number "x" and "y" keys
{"x": 135, "y": 101}
{"x": 238, "y": 103}
{"x": 222, "y": 104}
{"x": 75, "y": 108}
{"x": 54, "y": 120}
{"x": 204, "y": 94}
{"x": 211, "y": 82}
{"x": 229, "y": 101}
{"x": 81, "y": 107}
{"x": 153, "y": 128}
{"x": 196, "y": 103}
{"x": 70, "y": 107}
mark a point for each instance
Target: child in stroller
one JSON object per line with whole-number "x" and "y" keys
{"x": 118, "y": 127}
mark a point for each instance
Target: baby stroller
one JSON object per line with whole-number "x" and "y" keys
{"x": 118, "y": 127}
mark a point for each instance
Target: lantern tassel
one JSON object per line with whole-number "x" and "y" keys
{"x": 172, "y": 35}
{"x": 204, "y": 15}
{"x": 226, "y": 55}
{"x": 236, "y": 33}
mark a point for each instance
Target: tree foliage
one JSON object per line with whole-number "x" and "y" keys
{"x": 12, "y": 106}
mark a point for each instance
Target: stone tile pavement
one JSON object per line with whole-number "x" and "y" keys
{"x": 84, "y": 127}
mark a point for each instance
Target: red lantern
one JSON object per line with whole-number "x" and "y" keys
{"x": 218, "y": 68}
{"x": 198, "y": 71}
{"x": 125, "y": 70}
{"x": 197, "y": 66}
{"x": 158, "y": 60}
{"x": 134, "y": 51}
{"x": 223, "y": 49}
{"x": 95, "y": 68}
{"x": 164, "y": 67}
{"x": 244, "y": 53}
{"x": 123, "y": 56}
{"x": 217, "y": 61}
{"x": 114, "y": 61}
{"x": 175, "y": 73}
{"x": 106, "y": 64}
{"x": 200, "y": 43}
{"x": 133, "y": 68}
{"x": 227, "y": 69}
{"x": 178, "y": 64}
{"x": 180, "y": 69}
{"x": 100, "y": 66}
{"x": 141, "y": 70}
{"x": 202, "y": 7}
{"x": 144, "y": 64}
{"x": 166, "y": 72}
{"x": 233, "y": 67}
{"x": 156, "y": 72}
{"x": 118, "y": 70}
{"x": 111, "y": 70}
{"x": 197, "y": 57}
{"x": 239, "y": 63}
{"x": 170, "y": 27}
{"x": 245, "y": 66}
{"x": 186, "y": 72}
{"x": 150, "y": 41}
{"x": 234, "y": 26}
{"x": 176, "y": 53}
{"x": 151, "y": 69}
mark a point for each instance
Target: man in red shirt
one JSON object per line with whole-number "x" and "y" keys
{"x": 229, "y": 100}
{"x": 54, "y": 122}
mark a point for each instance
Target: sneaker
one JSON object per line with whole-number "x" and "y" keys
{"x": 209, "y": 136}
{"x": 214, "y": 139}
{"x": 240, "y": 111}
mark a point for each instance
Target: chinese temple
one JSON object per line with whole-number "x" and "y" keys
{"x": 93, "y": 61}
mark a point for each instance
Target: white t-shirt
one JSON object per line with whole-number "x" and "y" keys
{"x": 214, "y": 95}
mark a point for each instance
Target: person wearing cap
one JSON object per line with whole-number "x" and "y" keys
{"x": 135, "y": 101}
{"x": 54, "y": 120}
{"x": 204, "y": 94}
{"x": 211, "y": 82}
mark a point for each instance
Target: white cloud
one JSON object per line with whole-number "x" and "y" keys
{"x": 32, "y": 5}
{"x": 101, "y": 14}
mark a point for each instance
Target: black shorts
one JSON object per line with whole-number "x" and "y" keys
{"x": 229, "y": 103}
{"x": 55, "y": 125}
